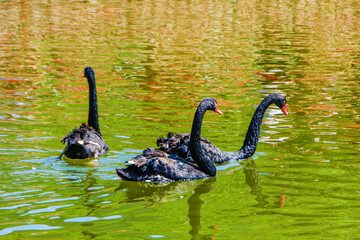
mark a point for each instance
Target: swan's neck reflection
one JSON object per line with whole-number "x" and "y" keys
{"x": 195, "y": 203}
{"x": 252, "y": 179}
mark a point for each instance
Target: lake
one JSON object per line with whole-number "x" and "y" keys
{"x": 154, "y": 62}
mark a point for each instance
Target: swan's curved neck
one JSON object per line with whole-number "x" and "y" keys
{"x": 252, "y": 135}
{"x": 204, "y": 163}
{"x": 93, "y": 120}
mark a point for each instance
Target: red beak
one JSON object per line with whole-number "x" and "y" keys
{"x": 284, "y": 110}
{"x": 218, "y": 111}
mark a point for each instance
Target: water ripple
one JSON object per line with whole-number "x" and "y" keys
{"x": 90, "y": 219}
{"x": 38, "y": 227}
{"x": 58, "y": 200}
{"x": 47, "y": 209}
{"x": 14, "y": 207}
{"x": 17, "y": 193}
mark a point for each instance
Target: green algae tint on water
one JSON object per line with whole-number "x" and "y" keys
{"x": 154, "y": 62}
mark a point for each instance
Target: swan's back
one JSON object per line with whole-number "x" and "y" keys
{"x": 178, "y": 145}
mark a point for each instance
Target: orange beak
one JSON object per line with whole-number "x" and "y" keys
{"x": 284, "y": 110}
{"x": 218, "y": 111}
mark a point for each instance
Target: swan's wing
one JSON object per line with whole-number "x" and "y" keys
{"x": 156, "y": 166}
{"x": 79, "y": 134}
{"x": 172, "y": 143}
{"x": 177, "y": 145}
{"x": 140, "y": 169}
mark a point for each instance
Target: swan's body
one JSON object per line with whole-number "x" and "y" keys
{"x": 86, "y": 141}
{"x": 178, "y": 145}
{"x": 157, "y": 166}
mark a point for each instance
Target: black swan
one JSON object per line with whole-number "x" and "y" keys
{"x": 178, "y": 145}
{"x": 157, "y": 166}
{"x": 86, "y": 141}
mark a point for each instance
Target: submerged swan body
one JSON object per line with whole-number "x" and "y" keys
{"x": 178, "y": 145}
{"x": 157, "y": 166}
{"x": 86, "y": 141}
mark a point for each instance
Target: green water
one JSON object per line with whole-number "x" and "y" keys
{"x": 154, "y": 62}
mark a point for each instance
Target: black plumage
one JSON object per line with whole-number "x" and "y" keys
{"x": 86, "y": 141}
{"x": 157, "y": 166}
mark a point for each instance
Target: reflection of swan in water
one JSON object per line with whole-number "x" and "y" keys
{"x": 155, "y": 193}
{"x": 151, "y": 194}
{"x": 87, "y": 184}
{"x": 252, "y": 179}
{"x": 194, "y": 212}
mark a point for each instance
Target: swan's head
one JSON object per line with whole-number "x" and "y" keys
{"x": 211, "y": 104}
{"x": 89, "y": 73}
{"x": 280, "y": 101}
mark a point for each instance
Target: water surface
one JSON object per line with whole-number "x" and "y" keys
{"x": 154, "y": 62}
